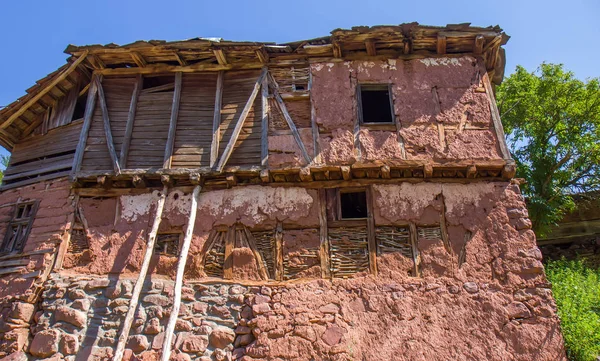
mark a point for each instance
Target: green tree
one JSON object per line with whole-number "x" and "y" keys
{"x": 3, "y": 163}
{"x": 552, "y": 121}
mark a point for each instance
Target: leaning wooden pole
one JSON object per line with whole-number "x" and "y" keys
{"x": 187, "y": 240}
{"x": 137, "y": 290}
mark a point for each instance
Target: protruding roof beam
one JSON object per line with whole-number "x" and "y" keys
{"x": 180, "y": 59}
{"x": 138, "y": 59}
{"x": 478, "y": 46}
{"x": 262, "y": 55}
{"x": 96, "y": 62}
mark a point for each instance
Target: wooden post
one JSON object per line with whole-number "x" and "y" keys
{"x": 139, "y": 284}
{"x": 371, "y": 233}
{"x": 264, "y": 134}
{"x": 240, "y": 122}
{"x": 415, "y": 249}
{"x": 107, "y": 132}
{"x": 314, "y": 126}
{"x": 187, "y": 240}
{"x": 496, "y": 118}
{"x": 323, "y": 235}
{"x": 216, "y": 136}
{"x": 264, "y": 272}
{"x": 85, "y": 128}
{"x": 130, "y": 119}
{"x": 229, "y": 246}
{"x": 289, "y": 120}
{"x": 279, "y": 271}
{"x": 173, "y": 122}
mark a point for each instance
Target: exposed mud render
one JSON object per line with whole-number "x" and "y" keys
{"x": 278, "y": 208}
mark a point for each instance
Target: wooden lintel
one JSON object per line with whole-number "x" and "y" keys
{"x": 216, "y": 135}
{"x": 370, "y": 46}
{"x": 107, "y": 130}
{"x": 138, "y": 59}
{"x": 43, "y": 92}
{"x": 441, "y": 44}
{"x": 221, "y": 57}
{"x": 130, "y": 119}
{"x": 138, "y": 181}
{"x": 478, "y": 46}
{"x": 240, "y": 122}
{"x": 289, "y": 120}
{"x": 173, "y": 122}
{"x": 180, "y": 59}
{"x": 262, "y": 55}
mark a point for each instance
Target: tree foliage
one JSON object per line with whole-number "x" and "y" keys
{"x": 3, "y": 163}
{"x": 552, "y": 121}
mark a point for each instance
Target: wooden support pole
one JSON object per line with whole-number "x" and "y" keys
{"x": 264, "y": 126}
{"x": 22, "y": 109}
{"x": 289, "y": 120}
{"x": 441, "y": 44}
{"x": 443, "y": 227}
{"x": 139, "y": 284}
{"x": 240, "y": 122}
{"x": 85, "y": 128}
{"x": 173, "y": 122}
{"x": 229, "y": 246}
{"x": 107, "y": 131}
{"x": 323, "y": 236}
{"x": 279, "y": 271}
{"x": 415, "y": 249}
{"x": 372, "y": 241}
{"x": 216, "y": 136}
{"x": 496, "y": 118}
{"x": 221, "y": 57}
{"x": 180, "y": 59}
{"x": 314, "y": 126}
{"x": 181, "y": 262}
{"x": 130, "y": 119}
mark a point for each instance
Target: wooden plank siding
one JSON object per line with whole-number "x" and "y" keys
{"x": 117, "y": 92}
{"x": 194, "y": 126}
{"x": 238, "y": 86}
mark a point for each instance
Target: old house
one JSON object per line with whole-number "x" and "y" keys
{"x": 349, "y": 197}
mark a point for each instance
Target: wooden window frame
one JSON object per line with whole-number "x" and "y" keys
{"x": 375, "y": 86}
{"x": 23, "y": 227}
{"x": 338, "y": 194}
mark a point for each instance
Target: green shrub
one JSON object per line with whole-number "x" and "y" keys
{"x": 576, "y": 288}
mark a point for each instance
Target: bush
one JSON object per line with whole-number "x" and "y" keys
{"x": 576, "y": 288}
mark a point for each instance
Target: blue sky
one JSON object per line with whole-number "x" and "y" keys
{"x": 33, "y": 36}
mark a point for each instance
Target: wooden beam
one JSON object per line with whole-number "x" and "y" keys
{"x": 279, "y": 271}
{"x": 240, "y": 122}
{"x": 346, "y": 174}
{"x": 323, "y": 236}
{"x": 173, "y": 122}
{"x": 444, "y": 227}
{"x": 138, "y": 59}
{"x": 180, "y": 59}
{"x": 96, "y": 62}
{"x": 305, "y": 174}
{"x": 85, "y": 128}
{"x": 264, "y": 125}
{"x": 181, "y": 263}
{"x": 415, "y": 250}
{"x": 371, "y": 49}
{"x": 337, "y": 49}
{"x": 231, "y": 180}
{"x": 372, "y": 241}
{"x": 166, "y": 180}
{"x": 137, "y": 289}
{"x": 137, "y": 88}
{"x": 262, "y": 270}
{"x": 471, "y": 171}
{"x": 216, "y": 136}
{"x": 407, "y": 49}
{"x": 107, "y": 131}
{"x": 262, "y": 55}
{"x": 289, "y": 120}
{"x": 478, "y": 46}
{"x": 43, "y": 92}
{"x": 441, "y": 44}
{"x": 229, "y": 245}
{"x": 496, "y": 118}
{"x": 138, "y": 181}
{"x": 221, "y": 57}
{"x": 385, "y": 172}
{"x": 264, "y": 176}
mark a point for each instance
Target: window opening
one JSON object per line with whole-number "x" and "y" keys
{"x": 353, "y": 204}
{"x": 167, "y": 244}
{"x": 375, "y": 104}
{"x": 19, "y": 227}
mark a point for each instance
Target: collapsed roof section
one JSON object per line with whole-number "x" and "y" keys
{"x": 405, "y": 41}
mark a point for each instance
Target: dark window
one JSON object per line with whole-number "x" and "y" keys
{"x": 375, "y": 103}
{"x": 19, "y": 227}
{"x": 152, "y": 84}
{"x": 353, "y": 204}
{"x": 167, "y": 244}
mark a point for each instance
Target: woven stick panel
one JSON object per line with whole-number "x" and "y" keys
{"x": 215, "y": 257}
{"x": 429, "y": 233}
{"x": 294, "y": 79}
{"x": 394, "y": 239}
{"x": 349, "y": 251}
{"x": 298, "y": 260}
{"x": 79, "y": 241}
{"x": 265, "y": 243}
